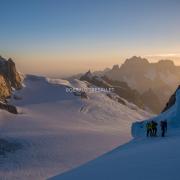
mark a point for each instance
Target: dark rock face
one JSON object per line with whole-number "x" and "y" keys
{"x": 5, "y": 89}
{"x": 8, "y": 71}
{"x": 8, "y": 107}
{"x": 13, "y": 75}
{"x": 172, "y": 101}
{"x": 9, "y": 79}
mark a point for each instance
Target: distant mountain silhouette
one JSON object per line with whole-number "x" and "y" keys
{"x": 159, "y": 78}
{"x": 142, "y": 75}
{"x": 151, "y": 83}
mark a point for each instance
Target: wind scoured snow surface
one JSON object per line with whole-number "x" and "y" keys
{"x": 142, "y": 158}
{"x": 59, "y": 131}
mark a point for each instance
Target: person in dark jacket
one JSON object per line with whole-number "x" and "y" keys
{"x": 163, "y": 125}
{"x": 148, "y": 129}
{"x": 154, "y": 128}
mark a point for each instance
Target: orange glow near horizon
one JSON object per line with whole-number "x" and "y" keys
{"x": 56, "y": 65}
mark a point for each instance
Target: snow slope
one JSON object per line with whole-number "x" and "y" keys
{"x": 59, "y": 131}
{"x": 142, "y": 158}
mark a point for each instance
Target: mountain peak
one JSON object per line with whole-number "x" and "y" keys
{"x": 2, "y": 60}
{"x": 87, "y": 76}
{"x": 115, "y": 67}
{"x": 88, "y": 73}
{"x": 9, "y": 77}
{"x": 136, "y": 60}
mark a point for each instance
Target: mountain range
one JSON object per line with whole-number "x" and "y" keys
{"x": 152, "y": 83}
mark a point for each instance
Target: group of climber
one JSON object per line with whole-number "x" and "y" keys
{"x": 151, "y": 128}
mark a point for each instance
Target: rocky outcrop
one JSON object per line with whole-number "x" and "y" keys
{"x": 9, "y": 72}
{"x": 5, "y": 89}
{"x": 8, "y": 107}
{"x": 172, "y": 100}
{"x": 9, "y": 80}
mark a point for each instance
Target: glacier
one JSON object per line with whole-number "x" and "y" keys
{"x": 141, "y": 158}
{"x": 59, "y": 131}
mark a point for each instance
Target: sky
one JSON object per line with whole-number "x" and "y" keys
{"x": 64, "y": 37}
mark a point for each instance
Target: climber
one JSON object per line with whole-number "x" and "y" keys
{"x": 163, "y": 125}
{"x": 154, "y": 128}
{"x": 148, "y": 129}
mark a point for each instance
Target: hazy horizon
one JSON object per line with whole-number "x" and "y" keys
{"x": 61, "y": 38}
{"x": 151, "y": 59}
